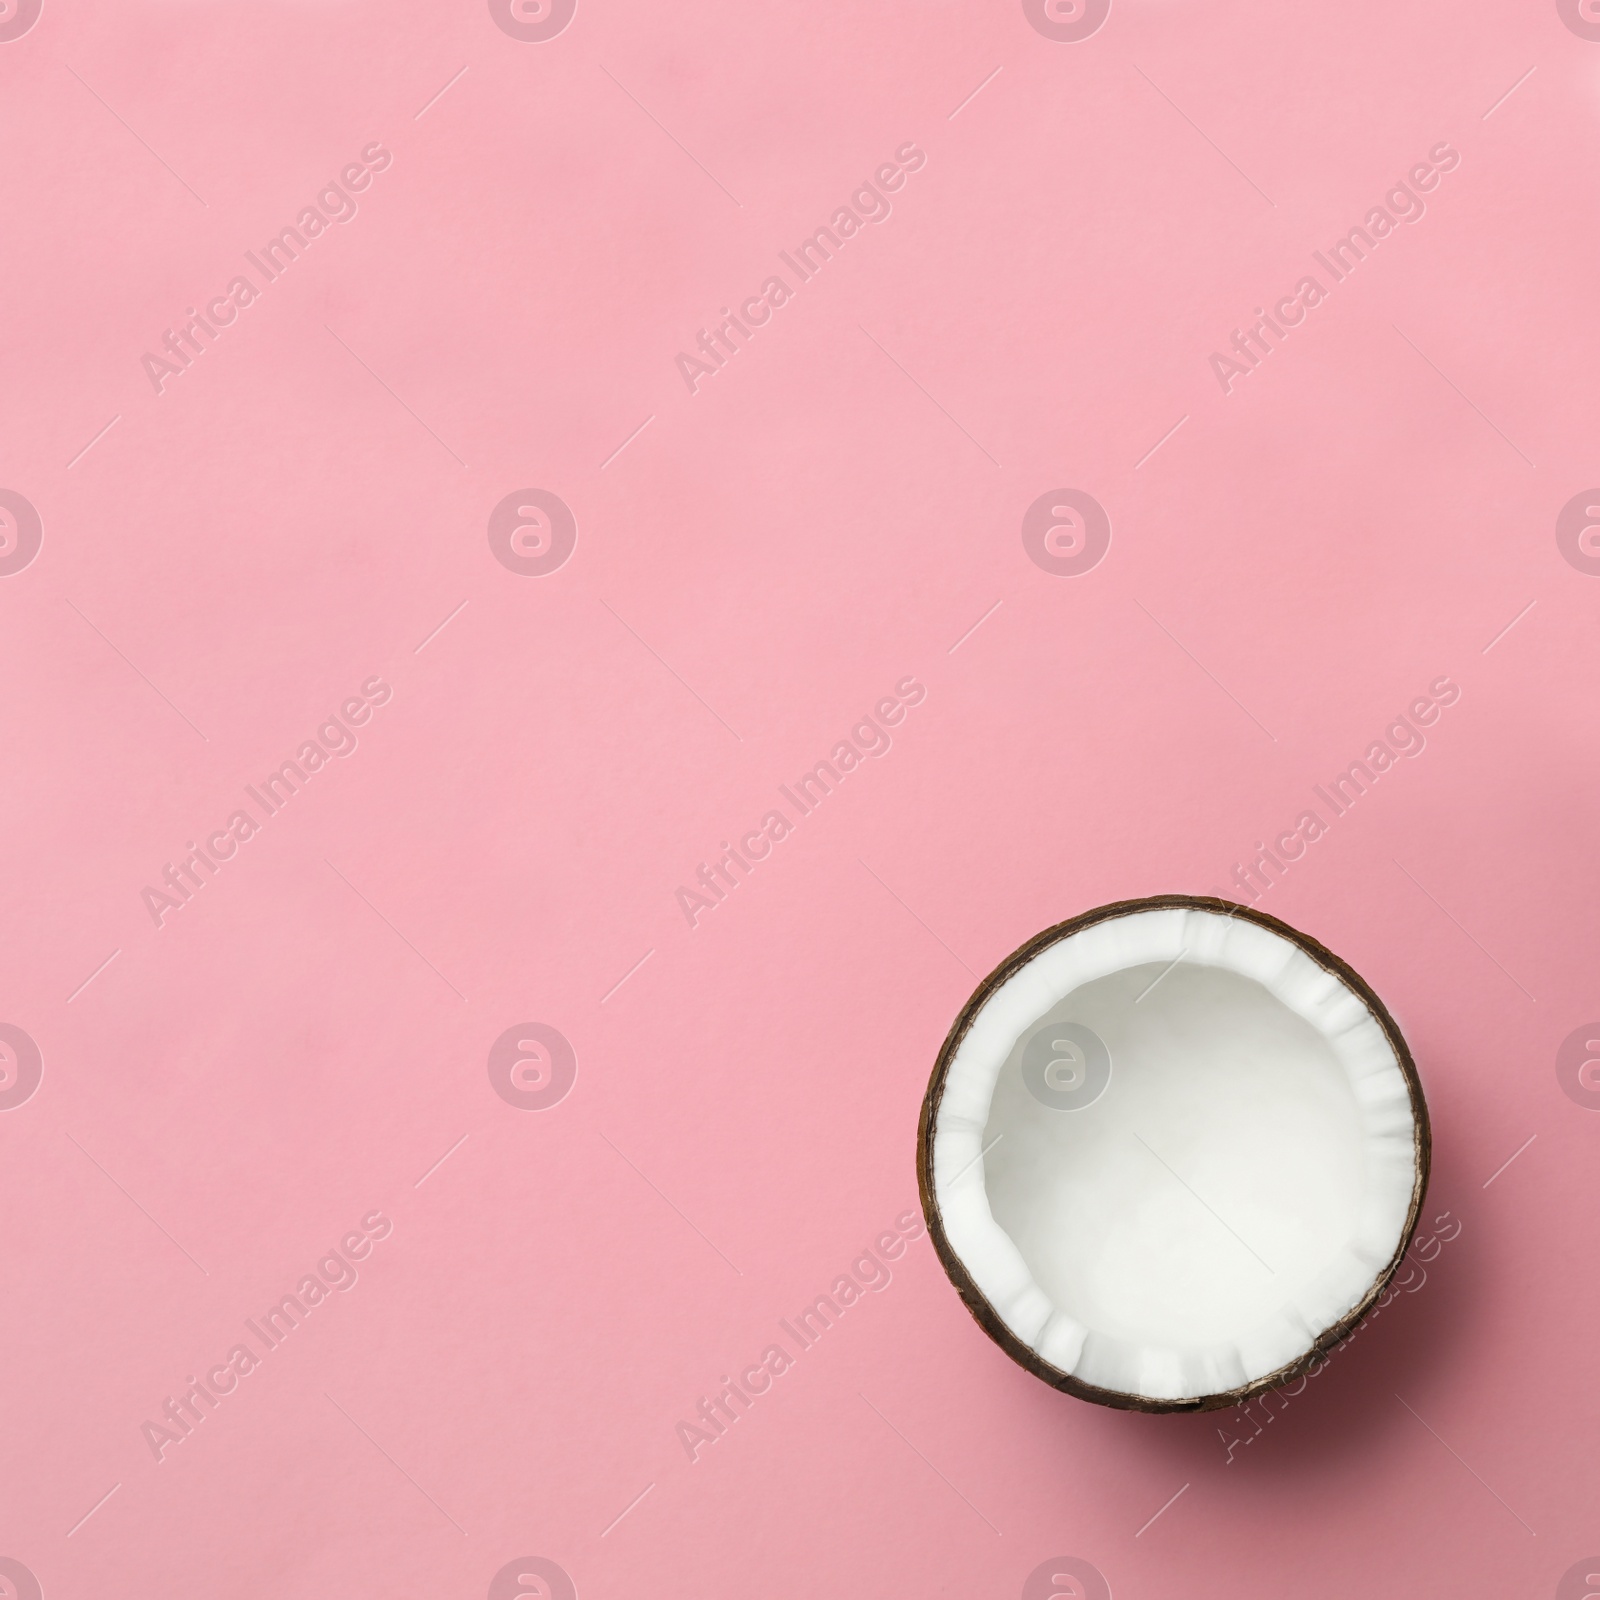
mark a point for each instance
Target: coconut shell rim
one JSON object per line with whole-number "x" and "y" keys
{"x": 984, "y": 1312}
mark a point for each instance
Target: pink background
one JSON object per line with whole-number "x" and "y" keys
{"x": 225, "y": 1096}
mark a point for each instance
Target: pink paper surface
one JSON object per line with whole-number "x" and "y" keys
{"x": 538, "y": 1257}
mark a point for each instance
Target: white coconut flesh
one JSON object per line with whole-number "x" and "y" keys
{"x": 1169, "y": 1180}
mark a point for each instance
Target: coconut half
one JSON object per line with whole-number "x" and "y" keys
{"x": 1171, "y": 1152}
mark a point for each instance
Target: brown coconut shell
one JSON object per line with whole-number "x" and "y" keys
{"x": 988, "y": 1318}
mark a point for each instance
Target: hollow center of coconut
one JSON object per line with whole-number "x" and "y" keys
{"x": 1174, "y": 1150}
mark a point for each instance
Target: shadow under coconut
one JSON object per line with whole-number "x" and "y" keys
{"x": 1324, "y": 1424}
